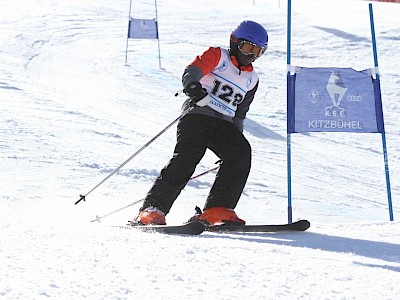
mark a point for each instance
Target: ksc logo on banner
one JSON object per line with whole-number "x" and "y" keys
{"x": 334, "y": 99}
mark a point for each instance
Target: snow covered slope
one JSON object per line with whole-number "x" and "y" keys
{"x": 72, "y": 112}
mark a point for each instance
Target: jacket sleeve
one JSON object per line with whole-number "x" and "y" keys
{"x": 243, "y": 108}
{"x": 201, "y": 65}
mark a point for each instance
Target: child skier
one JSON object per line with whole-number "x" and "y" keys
{"x": 221, "y": 84}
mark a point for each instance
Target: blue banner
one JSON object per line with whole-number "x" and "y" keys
{"x": 143, "y": 29}
{"x": 333, "y": 100}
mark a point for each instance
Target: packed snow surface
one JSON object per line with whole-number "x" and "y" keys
{"x": 72, "y": 111}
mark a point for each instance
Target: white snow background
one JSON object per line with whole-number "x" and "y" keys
{"x": 72, "y": 112}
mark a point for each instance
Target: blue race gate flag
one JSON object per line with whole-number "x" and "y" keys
{"x": 143, "y": 29}
{"x": 334, "y": 100}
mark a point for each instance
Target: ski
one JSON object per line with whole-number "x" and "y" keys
{"x": 196, "y": 228}
{"x": 190, "y": 228}
{"x": 300, "y": 225}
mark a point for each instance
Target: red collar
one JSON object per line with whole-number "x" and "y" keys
{"x": 247, "y": 68}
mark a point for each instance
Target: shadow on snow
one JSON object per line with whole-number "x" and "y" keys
{"x": 372, "y": 249}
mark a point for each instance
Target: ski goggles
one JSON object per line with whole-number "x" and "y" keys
{"x": 248, "y": 48}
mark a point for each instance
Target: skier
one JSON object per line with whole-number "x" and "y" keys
{"x": 220, "y": 85}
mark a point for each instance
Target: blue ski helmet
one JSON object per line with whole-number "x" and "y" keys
{"x": 252, "y": 32}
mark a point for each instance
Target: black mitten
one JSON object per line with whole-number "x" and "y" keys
{"x": 195, "y": 91}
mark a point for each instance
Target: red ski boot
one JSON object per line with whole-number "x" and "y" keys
{"x": 218, "y": 216}
{"x": 151, "y": 216}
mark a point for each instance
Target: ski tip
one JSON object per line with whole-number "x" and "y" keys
{"x": 303, "y": 225}
{"x": 197, "y": 227}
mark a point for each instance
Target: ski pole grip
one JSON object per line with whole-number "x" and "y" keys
{"x": 82, "y": 198}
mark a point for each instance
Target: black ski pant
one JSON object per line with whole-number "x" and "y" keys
{"x": 195, "y": 134}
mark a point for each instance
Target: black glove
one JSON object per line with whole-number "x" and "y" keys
{"x": 195, "y": 91}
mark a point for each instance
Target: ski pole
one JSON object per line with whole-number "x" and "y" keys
{"x": 219, "y": 162}
{"x": 141, "y": 200}
{"x": 115, "y": 211}
{"x": 83, "y": 197}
